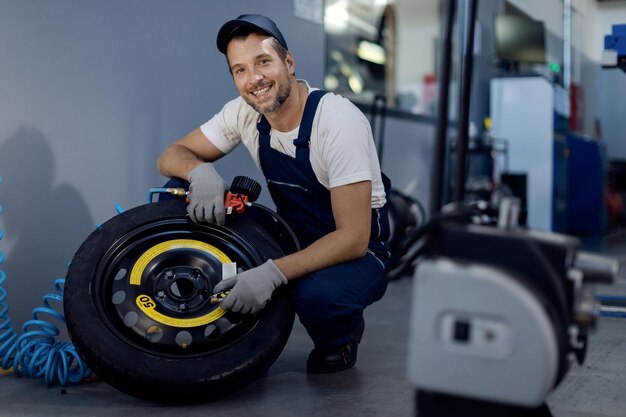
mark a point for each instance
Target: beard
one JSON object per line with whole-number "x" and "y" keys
{"x": 281, "y": 96}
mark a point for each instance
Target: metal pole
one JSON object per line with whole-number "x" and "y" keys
{"x": 438, "y": 171}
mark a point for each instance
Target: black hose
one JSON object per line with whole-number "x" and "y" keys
{"x": 460, "y": 174}
{"x": 478, "y": 212}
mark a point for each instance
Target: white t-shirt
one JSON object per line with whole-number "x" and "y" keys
{"x": 342, "y": 149}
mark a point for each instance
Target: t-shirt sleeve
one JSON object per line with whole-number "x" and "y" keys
{"x": 222, "y": 129}
{"x": 347, "y": 146}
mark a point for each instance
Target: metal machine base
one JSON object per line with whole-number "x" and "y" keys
{"x": 430, "y": 404}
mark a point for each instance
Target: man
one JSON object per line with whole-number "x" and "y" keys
{"x": 326, "y": 185}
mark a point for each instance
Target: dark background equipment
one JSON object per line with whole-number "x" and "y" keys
{"x": 519, "y": 40}
{"x": 498, "y": 309}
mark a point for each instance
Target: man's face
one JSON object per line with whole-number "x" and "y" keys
{"x": 261, "y": 77}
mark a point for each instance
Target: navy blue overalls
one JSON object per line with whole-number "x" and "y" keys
{"x": 329, "y": 302}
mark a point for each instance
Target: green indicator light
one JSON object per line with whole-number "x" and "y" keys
{"x": 555, "y": 67}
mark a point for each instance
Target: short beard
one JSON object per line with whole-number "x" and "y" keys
{"x": 281, "y": 97}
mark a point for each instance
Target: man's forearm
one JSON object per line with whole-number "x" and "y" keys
{"x": 352, "y": 214}
{"x": 177, "y": 161}
{"x": 335, "y": 247}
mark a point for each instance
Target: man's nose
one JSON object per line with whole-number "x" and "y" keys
{"x": 256, "y": 77}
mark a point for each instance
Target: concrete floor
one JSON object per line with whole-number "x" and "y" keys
{"x": 377, "y": 386}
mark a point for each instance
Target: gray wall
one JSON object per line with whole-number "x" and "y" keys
{"x": 609, "y": 100}
{"x": 91, "y": 92}
{"x": 407, "y": 157}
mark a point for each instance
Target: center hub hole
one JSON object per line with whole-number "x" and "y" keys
{"x": 183, "y": 288}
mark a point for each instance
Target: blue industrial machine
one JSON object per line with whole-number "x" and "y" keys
{"x": 614, "y": 55}
{"x": 586, "y": 180}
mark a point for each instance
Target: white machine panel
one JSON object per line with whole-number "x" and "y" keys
{"x": 478, "y": 333}
{"x": 522, "y": 113}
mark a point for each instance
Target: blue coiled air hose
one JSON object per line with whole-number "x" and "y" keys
{"x": 36, "y": 353}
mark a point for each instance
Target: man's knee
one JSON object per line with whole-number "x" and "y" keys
{"x": 317, "y": 301}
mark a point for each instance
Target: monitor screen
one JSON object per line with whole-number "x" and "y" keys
{"x": 519, "y": 39}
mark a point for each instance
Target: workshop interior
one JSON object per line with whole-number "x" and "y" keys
{"x": 499, "y": 122}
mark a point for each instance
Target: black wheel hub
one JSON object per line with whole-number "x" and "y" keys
{"x": 182, "y": 289}
{"x": 163, "y": 280}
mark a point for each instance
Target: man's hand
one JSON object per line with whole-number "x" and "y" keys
{"x": 251, "y": 289}
{"x": 206, "y": 195}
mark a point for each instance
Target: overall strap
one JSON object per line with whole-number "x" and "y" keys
{"x": 264, "y": 128}
{"x": 304, "y": 133}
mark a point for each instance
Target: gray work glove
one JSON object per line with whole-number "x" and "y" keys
{"x": 251, "y": 289}
{"x": 206, "y": 195}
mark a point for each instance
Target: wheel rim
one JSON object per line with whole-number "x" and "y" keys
{"x": 153, "y": 287}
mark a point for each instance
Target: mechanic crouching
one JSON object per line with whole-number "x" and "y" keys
{"x": 317, "y": 154}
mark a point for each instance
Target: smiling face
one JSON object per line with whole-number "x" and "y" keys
{"x": 262, "y": 78}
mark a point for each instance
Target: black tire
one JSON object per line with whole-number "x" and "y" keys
{"x": 150, "y": 347}
{"x": 406, "y": 214}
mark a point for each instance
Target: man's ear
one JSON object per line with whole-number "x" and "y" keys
{"x": 291, "y": 64}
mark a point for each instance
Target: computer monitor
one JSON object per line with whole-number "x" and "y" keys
{"x": 519, "y": 40}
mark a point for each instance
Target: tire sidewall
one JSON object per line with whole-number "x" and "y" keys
{"x": 149, "y": 375}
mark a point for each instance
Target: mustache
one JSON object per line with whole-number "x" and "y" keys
{"x": 259, "y": 86}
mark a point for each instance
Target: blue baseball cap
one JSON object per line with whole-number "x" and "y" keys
{"x": 260, "y": 22}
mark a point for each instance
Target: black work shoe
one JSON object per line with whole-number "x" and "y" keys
{"x": 339, "y": 359}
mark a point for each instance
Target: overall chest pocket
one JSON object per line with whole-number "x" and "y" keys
{"x": 282, "y": 186}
